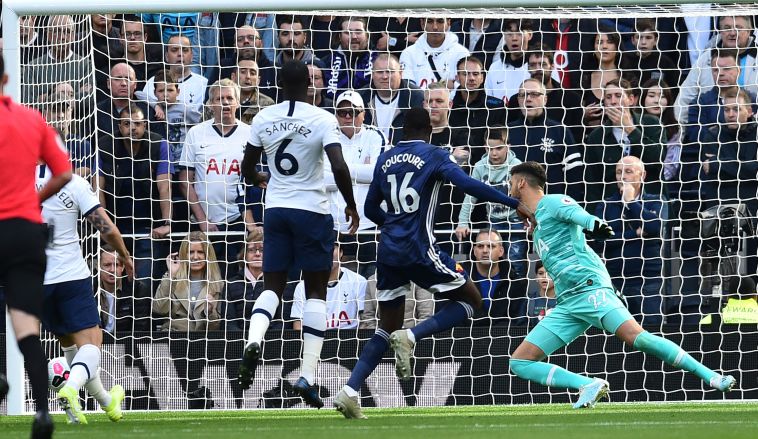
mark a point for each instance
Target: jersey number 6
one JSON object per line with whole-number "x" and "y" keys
{"x": 281, "y": 156}
{"x": 400, "y": 196}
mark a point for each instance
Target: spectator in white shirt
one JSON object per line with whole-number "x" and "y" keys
{"x": 434, "y": 56}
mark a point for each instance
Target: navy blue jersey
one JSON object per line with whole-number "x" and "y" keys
{"x": 409, "y": 177}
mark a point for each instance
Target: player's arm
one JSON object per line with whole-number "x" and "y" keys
{"x": 571, "y": 212}
{"x": 344, "y": 183}
{"x": 249, "y": 165}
{"x": 54, "y": 154}
{"x": 110, "y": 233}
{"x": 372, "y": 207}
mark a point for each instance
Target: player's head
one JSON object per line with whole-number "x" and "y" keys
{"x": 294, "y": 79}
{"x": 543, "y": 279}
{"x": 417, "y": 126}
{"x": 252, "y": 254}
{"x": 488, "y": 247}
{"x": 527, "y": 177}
{"x": 110, "y": 266}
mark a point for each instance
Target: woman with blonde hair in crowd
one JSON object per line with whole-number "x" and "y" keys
{"x": 190, "y": 292}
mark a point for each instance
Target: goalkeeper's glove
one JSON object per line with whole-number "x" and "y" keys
{"x": 601, "y": 232}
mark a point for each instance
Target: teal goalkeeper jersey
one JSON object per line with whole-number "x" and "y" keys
{"x": 559, "y": 241}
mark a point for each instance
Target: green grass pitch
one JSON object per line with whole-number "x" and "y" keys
{"x": 607, "y": 421}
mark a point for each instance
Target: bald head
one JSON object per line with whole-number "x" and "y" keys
{"x": 122, "y": 82}
{"x": 630, "y": 171}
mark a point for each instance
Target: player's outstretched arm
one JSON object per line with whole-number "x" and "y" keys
{"x": 110, "y": 233}
{"x": 595, "y": 227}
{"x": 344, "y": 184}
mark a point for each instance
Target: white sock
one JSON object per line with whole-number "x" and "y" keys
{"x": 84, "y": 366}
{"x": 411, "y": 337}
{"x": 95, "y": 388}
{"x": 69, "y": 353}
{"x": 314, "y": 325}
{"x": 350, "y": 391}
{"x": 263, "y": 311}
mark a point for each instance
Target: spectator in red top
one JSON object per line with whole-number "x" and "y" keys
{"x": 26, "y": 139}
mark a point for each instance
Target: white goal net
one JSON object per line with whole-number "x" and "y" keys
{"x": 643, "y": 114}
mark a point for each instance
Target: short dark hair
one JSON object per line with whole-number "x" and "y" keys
{"x": 522, "y": 24}
{"x": 498, "y": 132}
{"x": 417, "y": 122}
{"x": 294, "y": 77}
{"x": 291, "y": 20}
{"x": 724, "y": 53}
{"x": 533, "y": 172}
{"x": 166, "y": 76}
{"x": 129, "y": 111}
{"x": 537, "y": 266}
{"x": 542, "y": 50}
{"x": 467, "y": 59}
{"x": 646, "y": 25}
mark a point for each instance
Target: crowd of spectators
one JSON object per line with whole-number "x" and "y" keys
{"x": 642, "y": 129}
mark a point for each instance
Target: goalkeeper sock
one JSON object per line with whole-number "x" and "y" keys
{"x": 449, "y": 316}
{"x": 672, "y": 354}
{"x": 314, "y": 326}
{"x": 263, "y": 311}
{"x": 35, "y": 364}
{"x": 370, "y": 357}
{"x": 548, "y": 374}
{"x": 84, "y": 366}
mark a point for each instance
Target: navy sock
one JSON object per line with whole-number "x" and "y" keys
{"x": 370, "y": 357}
{"x": 35, "y": 363}
{"x": 449, "y": 316}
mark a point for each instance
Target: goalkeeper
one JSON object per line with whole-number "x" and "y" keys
{"x": 585, "y": 295}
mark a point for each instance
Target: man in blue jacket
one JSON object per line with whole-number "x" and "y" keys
{"x": 534, "y": 137}
{"x": 348, "y": 66}
{"x": 633, "y": 254}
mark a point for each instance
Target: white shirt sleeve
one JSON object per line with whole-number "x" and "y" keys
{"x": 84, "y": 194}
{"x": 361, "y": 295}
{"x": 255, "y": 136}
{"x": 299, "y": 302}
{"x": 330, "y": 132}
{"x": 187, "y": 159}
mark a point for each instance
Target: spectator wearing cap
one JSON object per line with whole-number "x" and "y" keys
{"x": 361, "y": 146}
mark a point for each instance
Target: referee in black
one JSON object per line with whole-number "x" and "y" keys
{"x": 25, "y": 141}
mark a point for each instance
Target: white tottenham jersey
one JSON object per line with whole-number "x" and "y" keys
{"x": 504, "y": 80}
{"x": 294, "y": 135}
{"x": 61, "y": 214}
{"x": 344, "y": 301}
{"x": 191, "y": 95}
{"x": 360, "y": 153}
{"x": 216, "y": 160}
{"x": 417, "y": 67}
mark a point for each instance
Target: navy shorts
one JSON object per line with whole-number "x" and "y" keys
{"x": 70, "y": 307}
{"x": 438, "y": 273}
{"x": 297, "y": 238}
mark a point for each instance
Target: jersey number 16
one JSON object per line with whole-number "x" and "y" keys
{"x": 400, "y": 196}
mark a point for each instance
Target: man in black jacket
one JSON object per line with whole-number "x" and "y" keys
{"x": 503, "y": 292}
{"x": 124, "y": 305}
{"x": 534, "y": 137}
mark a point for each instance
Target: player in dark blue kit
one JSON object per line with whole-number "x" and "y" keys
{"x": 408, "y": 178}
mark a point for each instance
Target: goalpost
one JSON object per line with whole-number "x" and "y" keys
{"x": 468, "y": 366}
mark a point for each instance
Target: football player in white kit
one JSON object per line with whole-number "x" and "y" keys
{"x": 70, "y": 309}
{"x": 297, "y": 223}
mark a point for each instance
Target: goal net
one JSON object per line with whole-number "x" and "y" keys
{"x": 642, "y": 114}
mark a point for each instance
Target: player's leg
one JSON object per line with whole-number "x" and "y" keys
{"x": 441, "y": 275}
{"x": 314, "y": 256}
{"x": 278, "y": 247}
{"x": 391, "y": 317}
{"x": 23, "y": 264}
{"x": 84, "y": 348}
{"x": 631, "y": 333}
{"x": 527, "y": 360}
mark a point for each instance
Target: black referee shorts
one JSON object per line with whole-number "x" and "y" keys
{"x": 22, "y": 264}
